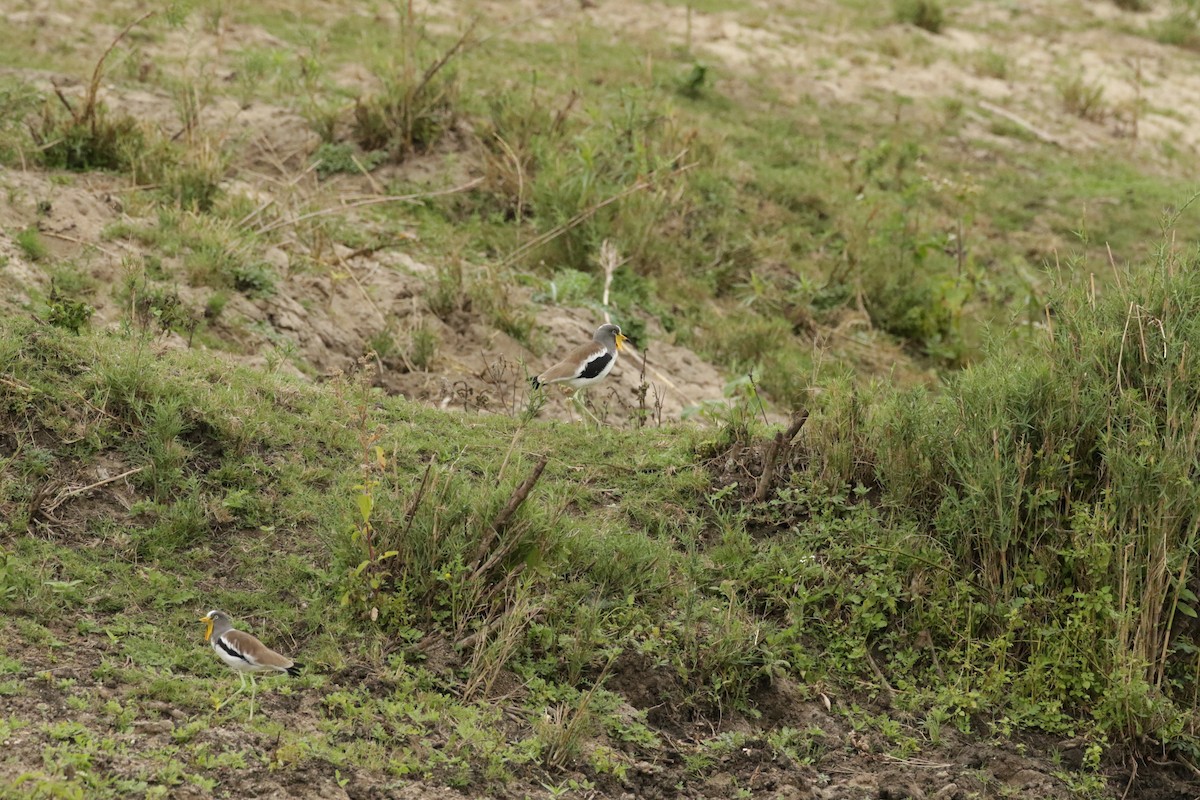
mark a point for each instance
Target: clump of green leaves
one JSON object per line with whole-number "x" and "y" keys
{"x": 155, "y": 307}
{"x": 333, "y": 158}
{"x": 693, "y": 85}
{"x": 71, "y": 314}
{"x": 254, "y": 279}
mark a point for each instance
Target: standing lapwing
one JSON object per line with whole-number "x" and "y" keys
{"x": 586, "y": 365}
{"x": 244, "y": 653}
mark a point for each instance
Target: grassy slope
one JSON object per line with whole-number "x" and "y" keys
{"x": 1000, "y": 553}
{"x": 1000, "y": 556}
{"x": 793, "y": 213}
{"x": 246, "y": 492}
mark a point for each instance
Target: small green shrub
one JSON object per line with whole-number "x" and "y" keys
{"x": 694, "y": 84}
{"x": 332, "y": 158}
{"x": 414, "y": 108}
{"x": 72, "y": 315}
{"x": 423, "y": 347}
{"x": 1083, "y": 99}
{"x": 215, "y": 304}
{"x": 1179, "y": 29}
{"x": 87, "y": 139}
{"x": 926, "y": 14}
{"x": 155, "y": 307}
{"x": 255, "y": 279}
{"x": 31, "y": 243}
{"x": 400, "y": 120}
{"x": 194, "y": 184}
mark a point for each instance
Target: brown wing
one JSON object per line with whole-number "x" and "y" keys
{"x": 255, "y": 652}
{"x": 570, "y": 366}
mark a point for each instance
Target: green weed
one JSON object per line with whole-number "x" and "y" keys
{"x": 927, "y": 14}
{"x": 80, "y": 136}
{"x": 1180, "y": 28}
{"x": 32, "y": 244}
{"x": 416, "y": 105}
{"x": 1083, "y": 99}
{"x": 332, "y": 158}
{"x": 423, "y": 347}
{"x": 72, "y": 315}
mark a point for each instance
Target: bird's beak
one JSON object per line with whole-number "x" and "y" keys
{"x": 621, "y": 340}
{"x": 208, "y": 631}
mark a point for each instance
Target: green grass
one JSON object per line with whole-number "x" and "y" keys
{"x": 1010, "y": 552}
{"x": 32, "y": 244}
{"x": 926, "y": 14}
{"x": 1016, "y": 521}
{"x": 856, "y": 208}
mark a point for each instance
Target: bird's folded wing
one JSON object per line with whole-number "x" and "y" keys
{"x": 244, "y": 646}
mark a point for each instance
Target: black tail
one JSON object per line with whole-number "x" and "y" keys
{"x": 294, "y": 669}
{"x": 535, "y": 383}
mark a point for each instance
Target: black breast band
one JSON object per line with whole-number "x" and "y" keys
{"x": 594, "y": 367}
{"x": 231, "y": 651}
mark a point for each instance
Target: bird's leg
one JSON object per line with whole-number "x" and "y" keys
{"x": 583, "y": 409}
{"x": 236, "y": 691}
{"x": 253, "y": 686}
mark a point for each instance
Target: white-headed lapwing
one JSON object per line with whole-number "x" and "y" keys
{"x": 587, "y": 364}
{"x": 244, "y": 653}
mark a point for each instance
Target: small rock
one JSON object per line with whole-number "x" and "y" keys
{"x": 277, "y": 258}
{"x": 1026, "y": 778}
{"x": 947, "y": 792}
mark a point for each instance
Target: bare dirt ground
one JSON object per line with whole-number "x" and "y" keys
{"x": 328, "y": 319}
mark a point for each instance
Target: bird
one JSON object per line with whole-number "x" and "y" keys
{"x": 587, "y": 364}
{"x": 244, "y": 653}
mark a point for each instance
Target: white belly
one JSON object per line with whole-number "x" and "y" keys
{"x": 240, "y": 664}
{"x": 581, "y": 382}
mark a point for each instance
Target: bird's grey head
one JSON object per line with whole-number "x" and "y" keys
{"x": 610, "y": 336}
{"x": 218, "y": 622}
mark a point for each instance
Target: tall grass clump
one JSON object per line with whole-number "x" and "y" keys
{"x": 81, "y": 135}
{"x": 1058, "y": 477}
{"x": 417, "y": 103}
{"x": 577, "y": 176}
{"x": 1072, "y": 487}
{"x": 926, "y": 14}
{"x": 18, "y": 101}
